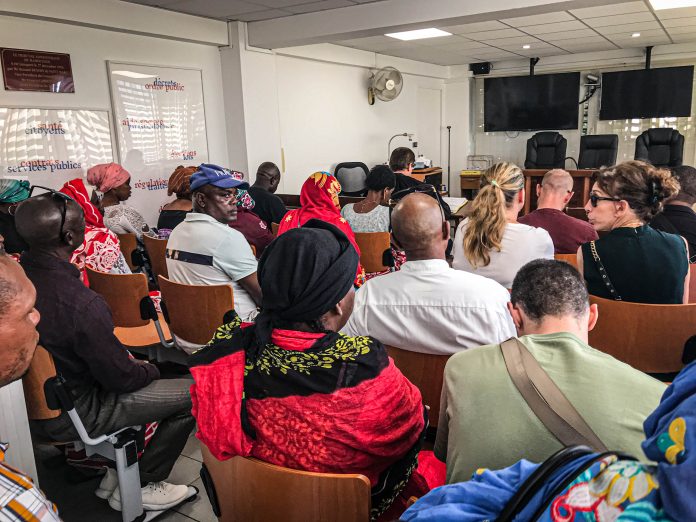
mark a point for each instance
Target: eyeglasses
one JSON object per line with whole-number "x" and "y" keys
{"x": 424, "y": 188}
{"x": 58, "y": 197}
{"x": 594, "y": 199}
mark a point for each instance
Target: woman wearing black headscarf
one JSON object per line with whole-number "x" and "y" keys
{"x": 291, "y": 391}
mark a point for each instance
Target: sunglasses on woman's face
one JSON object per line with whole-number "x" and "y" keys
{"x": 594, "y": 199}
{"x": 58, "y": 197}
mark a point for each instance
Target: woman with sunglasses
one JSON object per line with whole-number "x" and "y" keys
{"x": 633, "y": 262}
{"x": 494, "y": 244}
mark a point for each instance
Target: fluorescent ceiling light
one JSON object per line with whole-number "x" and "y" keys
{"x": 671, "y": 4}
{"x": 419, "y": 34}
{"x": 526, "y": 46}
{"x": 635, "y": 35}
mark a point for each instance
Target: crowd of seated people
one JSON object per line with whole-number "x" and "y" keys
{"x": 302, "y": 369}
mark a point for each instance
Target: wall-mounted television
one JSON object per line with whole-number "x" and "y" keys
{"x": 647, "y": 93}
{"x": 526, "y": 103}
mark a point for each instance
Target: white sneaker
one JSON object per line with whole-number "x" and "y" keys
{"x": 108, "y": 484}
{"x": 157, "y": 496}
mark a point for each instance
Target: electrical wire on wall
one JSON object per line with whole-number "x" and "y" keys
{"x": 591, "y": 86}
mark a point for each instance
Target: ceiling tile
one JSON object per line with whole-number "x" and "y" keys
{"x": 608, "y": 10}
{"x": 489, "y": 35}
{"x": 439, "y": 41}
{"x": 630, "y": 43}
{"x": 680, "y": 30}
{"x": 318, "y": 6}
{"x": 474, "y": 28}
{"x": 683, "y": 38}
{"x": 279, "y": 4}
{"x": 547, "y": 18}
{"x": 463, "y": 46}
{"x": 585, "y": 44}
{"x": 372, "y": 43}
{"x": 223, "y": 9}
{"x": 683, "y": 12}
{"x": 540, "y": 30}
{"x": 643, "y": 35}
{"x": 261, "y": 15}
{"x": 546, "y": 51}
{"x": 495, "y": 55}
{"x": 153, "y": 3}
{"x": 628, "y": 29}
{"x": 631, "y": 18}
{"x": 569, "y": 35}
{"x": 680, "y": 22}
{"x": 517, "y": 41}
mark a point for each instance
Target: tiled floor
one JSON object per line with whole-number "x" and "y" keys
{"x": 77, "y": 502}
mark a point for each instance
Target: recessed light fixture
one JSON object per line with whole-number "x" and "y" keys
{"x": 419, "y": 34}
{"x": 527, "y": 46}
{"x": 635, "y": 35}
{"x": 671, "y": 4}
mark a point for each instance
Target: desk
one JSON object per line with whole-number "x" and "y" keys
{"x": 432, "y": 175}
{"x": 582, "y": 182}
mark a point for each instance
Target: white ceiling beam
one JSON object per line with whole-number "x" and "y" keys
{"x": 359, "y": 21}
{"x": 113, "y": 15}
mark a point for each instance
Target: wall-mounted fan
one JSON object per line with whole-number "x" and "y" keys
{"x": 385, "y": 85}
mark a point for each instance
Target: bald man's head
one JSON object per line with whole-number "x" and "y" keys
{"x": 419, "y": 228}
{"x": 555, "y": 190}
{"x": 38, "y": 221}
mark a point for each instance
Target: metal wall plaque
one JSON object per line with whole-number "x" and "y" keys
{"x": 28, "y": 70}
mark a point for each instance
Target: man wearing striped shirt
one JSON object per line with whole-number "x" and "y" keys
{"x": 20, "y": 499}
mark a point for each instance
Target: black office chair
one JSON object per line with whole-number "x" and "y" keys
{"x": 661, "y": 147}
{"x": 598, "y": 151}
{"x": 352, "y": 176}
{"x": 546, "y": 150}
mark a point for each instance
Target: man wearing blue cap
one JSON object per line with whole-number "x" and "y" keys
{"x": 204, "y": 250}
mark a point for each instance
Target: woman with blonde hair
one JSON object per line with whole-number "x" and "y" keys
{"x": 634, "y": 262}
{"x": 490, "y": 242}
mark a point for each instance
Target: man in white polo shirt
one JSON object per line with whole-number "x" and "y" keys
{"x": 427, "y": 306}
{"x": 204, "y": 250}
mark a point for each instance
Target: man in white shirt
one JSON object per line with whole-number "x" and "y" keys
{"x": 204, "y": 250}
{"x": 427, "y": 306}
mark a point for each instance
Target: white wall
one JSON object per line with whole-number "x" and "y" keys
{"x": 89, "y": 50}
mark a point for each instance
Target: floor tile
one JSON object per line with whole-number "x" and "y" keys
{"x": 185, "y": 471}
{"x": 200, "y": 509}
{"x": 173, "y": 516}
{"x": 193, "y": 449}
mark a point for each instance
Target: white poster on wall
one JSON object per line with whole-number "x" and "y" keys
{"x": 160, "y": 124}
{"x": 51, "y": 146}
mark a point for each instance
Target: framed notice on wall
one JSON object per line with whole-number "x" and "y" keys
{"x": 51, "y": 146}
{"x": 160, "y": 123}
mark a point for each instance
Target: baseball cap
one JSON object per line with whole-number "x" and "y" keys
{"x": 209, "y": 174}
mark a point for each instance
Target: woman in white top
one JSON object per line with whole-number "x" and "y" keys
{"x": 491, "y": 242}
{"x": 372, "y": 213}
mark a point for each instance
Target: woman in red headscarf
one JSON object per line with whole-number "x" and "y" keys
{"x": 319, "y": 200}
{"x": 100, "y": 250}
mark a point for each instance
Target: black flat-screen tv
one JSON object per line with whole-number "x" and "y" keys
{"x": 525, "y": 103}
{"x": 647, "y": 93}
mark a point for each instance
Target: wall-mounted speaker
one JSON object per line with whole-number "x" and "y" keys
{"x": 480, "y": 67}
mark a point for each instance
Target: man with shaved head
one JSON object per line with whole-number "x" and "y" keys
{"x": 427, "y": 306}
{"x": 111, "y": 390}
{"x": 268, "y": 207}
{"x": 567, "y": 232}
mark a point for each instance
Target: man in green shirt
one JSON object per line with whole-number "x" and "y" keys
{"x": 486, "y": 423}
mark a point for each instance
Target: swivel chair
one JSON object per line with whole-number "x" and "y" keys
{"x": 352, "y": 176}
{"x": 598, "y": 151}
{"x": 660, "y": 147}
{"x": 546, "y": 150}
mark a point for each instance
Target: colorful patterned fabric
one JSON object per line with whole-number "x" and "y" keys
{"x": 13, "y": 190}
{"x": 20, "y": 500}
{"x": 319, "y": 200}
{"x": 100, "y": 250}
{"x": 316, "y": 402}
{"x": 180, "y": 181}
{"x": 107, "y": 176}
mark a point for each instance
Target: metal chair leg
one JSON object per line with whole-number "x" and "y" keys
{"x": 128, "y": 477}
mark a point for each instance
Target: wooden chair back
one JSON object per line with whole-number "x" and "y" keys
{"x": 195, "y": 312}
{"x": 123, "y": 293}
{"x": 692, "y": 283}
{"x": 128, "y": 244}
{"x": 571, "y": 259}
{"x": 274, "y": 229}
{"x": 157, "y": 252}
{"x": 425, "y": 371}
{"x": 649, "y": 337}
{"x": 372, "y": 245}
{"x": 40, "y": 370}
{"x": 291, "y": 495}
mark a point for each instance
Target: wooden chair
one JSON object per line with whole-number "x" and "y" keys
{"x": 137, "y": 323}
{"x": 425, "y": 371}
{"x": 194, "y": 312}
{"x": 129, "y": 245}
{"x": 692, "y": 283}
{"x": 649, "y": 337}
{"x": 571, "y": 259}
{"x": 40, "y": 370}
{"x": 372, "y": 246}
{"x": 274, "y": 229}
{"x": 157, "y": 252}
{"x": 290, "y": 495}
